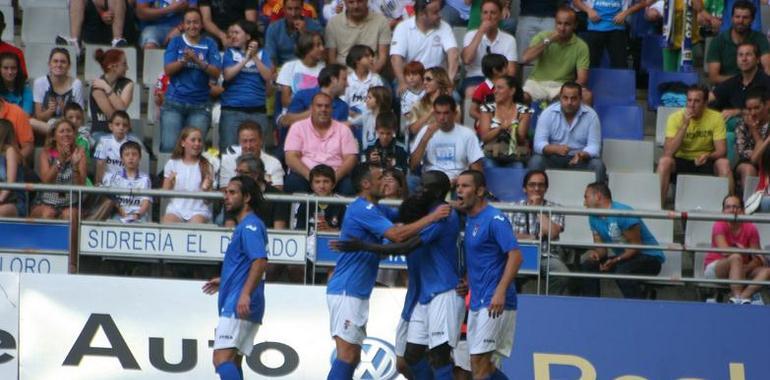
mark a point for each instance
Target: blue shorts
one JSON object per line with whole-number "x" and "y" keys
{"x": 155, "y": 34}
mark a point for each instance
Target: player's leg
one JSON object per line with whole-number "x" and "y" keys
{"x": 489, "y": 339}
{"x": 234, "y": 338}
{"x": 348, "y": 317}
{"x": 401, "y": 365}
{"x": 417, "y": 360}
{"x": 226, "y": 365}
{"x": 348, "y": 356}
{"x": 445, "y": 316}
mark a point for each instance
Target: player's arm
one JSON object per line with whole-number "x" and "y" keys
{"x": 400, "y": 233}
{"x": 256, "y": 271}
{"x": 392, "y": 249}
{"x": 512, "y": 265}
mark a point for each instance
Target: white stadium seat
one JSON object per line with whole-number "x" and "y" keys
{"x": 48, "y": 22}
{"x": 638, "y": 190}
{"x": 628, "y": 155}
{"x": 698, "y": 192}
{"x": 660, "y": 123}
{"x": 566, "y": 187}
{"x": 152, "y": 66}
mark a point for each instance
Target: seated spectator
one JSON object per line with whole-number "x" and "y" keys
{"x": 415, "y": 87}
{"x": 332, "y": 81}
{"x": 730, "y": 95}
{"x": 507, "y": 22}
{"x": 493, "y": 66}
{"x": 378, "y": 102}
{"x": 250, "y": 142}
{"x": 437, "y": 83}
{"x": 736, "y": 266}
{"x": 274, "y": 214}
{"x": 357, "y": 25}
{"x": 74, "y": 113}
{"x": 695, "y": 142}
{"x": 108, "y": 153}
{"x": 5, "y": 47}
{"x": 320, "y": 140}
{"x": 327, "y": 217}
{"x": 385, "y": 151}
{"x": 53, "y": 91}
{"x": 721, "y": 55}
{"x": 445, "y": 145}
{"x": 360, "y": 78}
{"x": 607, "y": 29}
{"x": 568, "y": 135}
{"x": 751, "y": 134}
{"x": 22, "y": 130}
{"x": 504, "y": 124}
{"x": 61, "y": 162}
{"x": 188, "y": 170}
{"x": 190, "y": 61}
{"x": 130, "y": 208}
{"x": 111, "y": 92}
{"x": 541, "y": 227}
{"x": 561, "y": 57}
{"x": 282, "y": 36}
{"x": 12, "y": 203}
{"x": 487, "y": 39}
{"x": 13, "y": 87}
{"x": 248, "y": 78}
{"x": 424, "y": 38}
{"x": 764, "y": 176}
{"x": 94, "y": 21}
{"x": 302, "y": 73}
{"x": 618, "y": 230}
{"x": 160, "y": 21}
{"x": 219, "y": 15}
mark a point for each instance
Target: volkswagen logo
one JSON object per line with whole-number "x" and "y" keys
{"x": 378, "y": 361}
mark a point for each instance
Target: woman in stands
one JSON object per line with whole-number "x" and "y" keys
{"x": 11, "y": 202}
{"x": 504, "y": 124}
{"x": 62, "y": 162}
{"x": 191, "y": 61}
{"x": 189, "y": 171}
{"x": 110, "y": 92}
{"x": 437, "y": 83}
{"x": 13, "y": 87}
{"x": 52, "y": 92}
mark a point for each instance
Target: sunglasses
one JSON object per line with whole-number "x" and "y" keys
{"x": 429, "y": 79}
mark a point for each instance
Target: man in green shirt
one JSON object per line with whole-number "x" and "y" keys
{"x": 721, "y": 55}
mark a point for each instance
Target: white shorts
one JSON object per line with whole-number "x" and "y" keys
{"x": 487, "y": 334}
{"x": 401, "y": 330}
{"x": 347, "y": 317}
{"x": 437, "y": 322}
{"x": 542, "y": 90}
{"x": 710, "y": 271}
{"x": 461, "y": 356}
{"x": 235, "y": 333}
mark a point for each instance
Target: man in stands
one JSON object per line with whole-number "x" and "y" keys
{"x": 751, "y": 134}
{"x": 730, "y": 95}
{"x": 332, "y": 81}
{"x": 96, "y": 19}
{"x": 618, "y": 230}
{"x": 721, "y": 56}
{"x": 695, "y": 142}
{"x": 160, "y": 21}
{"x": 281, "y": 35}
{"x": 6, "y": 47}
{"x": 568, "y": 135}
{"x": 535, "y": 16}
{"x": 250, "y": 141}
{"x": 218, "y": 15}
{"x": 358, "y": 26}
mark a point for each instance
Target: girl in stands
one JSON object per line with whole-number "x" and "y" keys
{"x": 378, "y": 100}
{"x": 11, "y": 202}
{"x": 302, "y": 73}
{"x": 110, "y": 92}
{"x": 52, "y": 92}
{"x": 189, "y": 171}
{"x": 437, "y": 83}
{"x": 13, "y": 87}
{"x": 504, "y": 124}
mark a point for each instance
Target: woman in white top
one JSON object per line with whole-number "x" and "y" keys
{"x": 53, "y": 91}
{"x": 189, "y": 171}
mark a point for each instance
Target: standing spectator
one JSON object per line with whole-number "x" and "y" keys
{"x": 282, "y": 35}
{"x": 358, "y": 26}
{"x": 678, "y": 26}
{"x": 22, "y": 130}
{"x": 361, "y": 78}
{"x": 96, "y": 20}
{"x": 695, "y": 142}
{"x": 618, "y": 230}
{"x": 385, "y": 151}
{"x": 456, "y": 12}
{"x": 722, "y": 52}
{"x": 53, "y": 91}
{"x": 112, "y": 91}
{"x": 437, "y": 83}
{"x": 378, "y": 102}
{"x": 568, "y": 135}
{"x": 189, "y": 171}
{"x": 607, "y": 29}
{"x": 729, "y": 96}
{"x": 504, "y": 124}
{"x": 414, "y": 73}
{"x": 218, "y": 15}
{"x": 250, "y": 142}
{"x": 424, "y": 38}
{"x": 751, "y": 134}
{"x": 160, "y": 20}
{"x": 13, "y": 87}
{"x": 535, "y": 16}
{"x": 5, "y": 47}
{"x": 274, "y": 214}
{"x": 320, "y": 140}
{"x": 394, "y": 10}
{"x": 11, "y": 202}
{"x": 62, "y": 162}
{"x": 302, "y": 73}
{"x": 130, "y": 208}
{"x": 248, "y": 74}
{"x": 190, "y": 60}
{"x": 487, "y": 39}
{"x": 332, "y": 81}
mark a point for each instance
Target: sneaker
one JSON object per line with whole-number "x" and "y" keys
{"x": 119, "y": 42}
{"x": 736, "y": 300}
{"x": 745, "y": 302}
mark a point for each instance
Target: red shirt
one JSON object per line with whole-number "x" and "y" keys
{"x": 8, "y": 48}
{"x": 485, "y": 90}
{"x": 746, "y": 237}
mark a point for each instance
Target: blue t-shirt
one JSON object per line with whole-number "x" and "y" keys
{"x": 304, "y": 98}
{"x": 355, "y": 272}
{"x": 439, "y": 267}
{"x": 24, "y": 101}
{"x": 488, "y": 239}
{"x": 610, "y": 229}
{"x": 191, "y": 84}
{"x": 607, "y": 9}
{"x": 171, "y": 19}
{"x": 280, "y": 45}
{"x": 249, "y": 243}
{"x": 247, "y": 89}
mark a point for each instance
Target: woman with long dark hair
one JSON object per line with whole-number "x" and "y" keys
{"x": 504, "y": 124}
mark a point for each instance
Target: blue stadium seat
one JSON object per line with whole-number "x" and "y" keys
{"x": 621, "y": 122}
{"x": 652, "y": 53}
{"x": 505, "y": 183}
{"x": 658, "y": 77}
{"x": 612, "y": 86}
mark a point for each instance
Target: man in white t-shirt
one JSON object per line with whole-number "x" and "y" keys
{"x": 445, "y": 145}
{"x": 424, "y": 38}
{"x": 250, "y": 141}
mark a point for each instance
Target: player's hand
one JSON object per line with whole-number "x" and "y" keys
{"x": 497, "y": 304}
{"x": 462, "y": 288}
{"x": 440, "y": 212}
{"x": 244, "y": 306}
{"x": 211, "y": 286}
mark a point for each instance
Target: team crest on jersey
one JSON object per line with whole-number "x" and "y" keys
{"x": 475, "y": 230}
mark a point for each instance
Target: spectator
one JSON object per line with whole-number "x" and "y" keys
{"x": 568, "y": 135}
{"x": 329, "y": 216}
{"x": 487, "y": 39}
{"x": 218, "y": 15}
{"x": 358, "y": 26}
{"x": 543, "y": 228}
{"x": 736, "y": 266}
{"x": 5, "y": 47}
{"x": 695, "y": 142}
{"x": 437, "y": 83}
{"x": 130, "y": 208}
{"x": 74, "y": 113}
{"x": 722, "y": 51}
{"x": 456, "y": 12}
{"x": 61, "y": 162}
{"x": 378, "y": 101}
{"x": 535, "y": 16}
{"x": 107, "y": 153}
{"x": 53, "y": 91}
{"x": 607, "y": 29}
{"x": 250, "y": 142}
{"x": 160, "y": 20}
{"x": 361, "y": 77}
{"x": 188, "y": 170}
{"x": 13, "y": 87}
{"x": 679, "y": 26}
{"x": 22, "y": 130}
{"x": 96, "y": 20}
{"x": 445, "y": 145}
{"x": 730, "y": 95}
{"x": 11, "y": 202}
{"x": 332, "y": 81}
{"x": 110, "y": 92}
{"x": 282, "y": 35}
{"x": 320, "y": 140}
{"x": 504, "y": 124}
{"x": 248, "y": 77}
{"x": 190, "y": 60}
{"x": 274, "y": 214}
{"x": 751, "y": 134}
{"x": 415, "y": 87}
{"x": 385, "y": 151}
{"x": 392, "y": 186}
{"x": 493, "y": 67}
{"x": 302, "y": 73}
{"x": 424, "y": 38}
{"x": 394, "y": 10}
{"x": 764, "y": 177}
{"x": 618, "y": 230}
{"x": 507, "y": 19}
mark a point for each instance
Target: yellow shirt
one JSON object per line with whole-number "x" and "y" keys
{"x": 700, "y": 135}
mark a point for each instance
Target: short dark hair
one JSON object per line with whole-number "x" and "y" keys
{"x": 250, "y": 187}
{"x": 757, "y": 92}
{"x": 436, "y": 183}
{"x": 72, "y": 106}
{"x": 323, "y": 171}
{"x": 754, "y": 47}
{"x": 514, "y": 83}
{"x": 328, "y": 73}
{"x": 495, "y": 2}
{"x": 744, "y": 4}
{"x": 120, "y": 114}
{"x": 572, "y": 85}
{"x": 699, "y": 88}
{"x": 420, "y": 5}
{"x": 131, "y": 145}
{"x": 566, "y": 9}
{"x": 356, "y": 53}
{"x": 601, "y": 188}
{"x": 736, "y": 196}
{"x": 362, "y": 171}
{"x": 493, "y": 62}
{"x": 533, "y": 172}
{"x": 320, "y": 94}
{"x": 445, "y": 100}
{"x": 256, "y": 166}
{"x": 305, "y": 43}
{"x": 386, "y": 120}
{"x": 478, "y": 177}
{"x": 250, "y": 125}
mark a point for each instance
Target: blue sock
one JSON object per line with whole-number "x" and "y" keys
{"x": 421, "y": 370}
{"x": 498, "y": 375}
{"x": 444, "y": 373}
{"x": 229, "y": 371}
{"x": 341, "y": 371}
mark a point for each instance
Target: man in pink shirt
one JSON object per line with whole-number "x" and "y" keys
{"x": 319, "y": 140}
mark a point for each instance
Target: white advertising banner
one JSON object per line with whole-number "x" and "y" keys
{"x": 21, "y": 262}
{"x": 157, "y": 241}
{"x": 89, "y": 327}
{"x": 9, "y": 326}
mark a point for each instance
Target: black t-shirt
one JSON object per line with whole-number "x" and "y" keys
{"x": 333, "y": 213}
{"x": 225, "y": 12}
{"x": 99, "y": 122}
{"x": 731, "y": 94}
{"x": 395, "y": 155}
{"x": 270, "y": 211}
{"x": 539, "y": 8}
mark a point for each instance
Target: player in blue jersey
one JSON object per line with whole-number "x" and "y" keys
{"x": 241, "y": 289}
{"x": 492, "y": 259}
{"x": 351, "y": 284}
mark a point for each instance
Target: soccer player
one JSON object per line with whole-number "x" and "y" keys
{"x": 351, "y": 284}
{"x": 492, "y": 258}
{"x": 241, "y": 289}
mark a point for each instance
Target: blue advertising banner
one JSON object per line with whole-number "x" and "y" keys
{"x": 592, "y": 338}
{"x": 24, "y": 236}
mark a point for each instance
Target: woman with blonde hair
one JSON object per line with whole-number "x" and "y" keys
{"x": 436, "y": 83}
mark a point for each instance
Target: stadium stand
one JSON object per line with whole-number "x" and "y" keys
{"x": 628, "y": 155}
